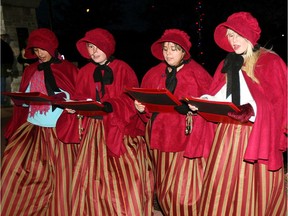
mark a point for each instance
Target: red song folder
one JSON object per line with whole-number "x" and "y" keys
{"x": 214, "y": 111}
{"x": 86, "y": 108}
{"x": 31, "y": 97}
{"x": 156, "y": 100}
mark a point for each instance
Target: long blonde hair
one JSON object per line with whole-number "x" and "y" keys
{"x": 250, "y": 58}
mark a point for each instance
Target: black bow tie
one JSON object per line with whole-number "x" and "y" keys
{"x": 104, "y": 75}
{"x": 232, "y": 64}
{"x": 50, "y": 82}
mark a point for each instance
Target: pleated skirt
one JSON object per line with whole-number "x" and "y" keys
{"x": 235, "y": 187}
{"x": 178, "y": 180}
{"x": 36, "y": 173}
{"x": 105, "y": 185}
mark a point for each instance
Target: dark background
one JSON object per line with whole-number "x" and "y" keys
{"x": 136, "y": 24}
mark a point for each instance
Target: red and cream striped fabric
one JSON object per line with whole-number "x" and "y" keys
{"x": 235, "y": 187}
{"x": 105, "y": 185}
{"x": 178, "y": 180}
{"x": 36, "y": 173}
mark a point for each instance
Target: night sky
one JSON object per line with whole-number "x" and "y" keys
{"x": 136, "y": 24}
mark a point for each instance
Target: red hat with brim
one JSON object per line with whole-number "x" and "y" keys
{"x": 172, "y": 35}
{"x": 243, "y": 23}
{"x": 101, "y": 38}
{"x": 42, "y": 38}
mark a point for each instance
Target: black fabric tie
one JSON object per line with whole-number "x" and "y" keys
{"x": 232, "y": 64}
{"x": 49, "y": 79}
{"x": 104, "y": 75}
{"x": 171, "y": 80}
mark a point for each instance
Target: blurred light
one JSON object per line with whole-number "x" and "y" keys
{"x": 87, "y": 10}
{"x": 283, "y": 35}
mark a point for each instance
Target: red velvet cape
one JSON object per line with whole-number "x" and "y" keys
{"x": 168, "y": 129}
{"x": 122, "y": 121}
{"x": 267, "y": 140}
{"x": 65, "y": 75}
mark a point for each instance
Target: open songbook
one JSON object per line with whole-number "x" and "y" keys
{"x": 214, "y": 111}
{"x": 32, "y": 97}
{"x": 83, "y": 107}
{"x": 156, "y": 100}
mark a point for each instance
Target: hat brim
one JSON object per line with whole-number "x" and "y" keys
{"x": 220, "y": 35}
{"x": 44, "y": 39}
{"x": 221, "y": 38}
{"x": 82, "y": 48}
{"x": 29, "y": 53}
{"x": 157, "y": 50}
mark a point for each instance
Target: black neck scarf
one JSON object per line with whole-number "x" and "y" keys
{"x": 49, "y": 79}
{"x": 105, "y": 78}
{"x": 171, "y": 80}
{"x": 232, "y": 64}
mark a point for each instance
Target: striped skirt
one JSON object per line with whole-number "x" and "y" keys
{"x": 104, "y": 185}
{"x": 178, "y": 181}
{"x": 36, "y": 173}
{"x": 235, "y": 187}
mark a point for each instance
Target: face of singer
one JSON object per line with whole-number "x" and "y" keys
{"x": 173, "y": 53}
{"x": 97, "y": 55}
{"x": 42, "y": 54}
{"x": 239, "y": 43}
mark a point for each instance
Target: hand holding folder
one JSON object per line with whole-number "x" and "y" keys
{"x": 156, "y": 100}
{"x": 84, "y": 107}
{"x": 214, "y": 111}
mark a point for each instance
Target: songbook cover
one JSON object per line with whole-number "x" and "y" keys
{"x": 87, "y": 108}
{"x": 31, "y": 97}
{"x": 214, "y": 111}
{"x": 156, "y": 100}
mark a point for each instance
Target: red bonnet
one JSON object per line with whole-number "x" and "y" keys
{"x": 42, "y": 38}
{"x": 101, "y": 38}
{"x": 172, "y": 35}
{"x": 241, "y": 22}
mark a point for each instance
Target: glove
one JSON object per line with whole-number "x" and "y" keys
{"x": 59, "y": 96}
{"x": 183, "y": 109}
{"x": 246, "y": 111}
{"x": 107, "y": 107}
{"x": 232, "y": 62}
